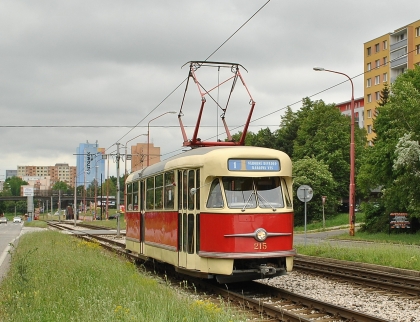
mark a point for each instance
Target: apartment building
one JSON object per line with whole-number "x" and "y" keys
{"x": 386, "y": 57}
{"x": 58, "y": 172}
{"x": 139, "y": 155}
{"x": 359, "y": 106}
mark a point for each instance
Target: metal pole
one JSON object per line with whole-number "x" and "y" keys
{"x": 59, "y": 205}
{"x": 75, "y": 201}
{"x": 107, "y": 190}
{"x": 101, "y": 196}
{"x": 352, "y": 187}
{"x": 304, "y": 197}
{"x": 118, "y": 190}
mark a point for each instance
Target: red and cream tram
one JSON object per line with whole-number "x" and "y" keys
{"x": 214, "y": 212}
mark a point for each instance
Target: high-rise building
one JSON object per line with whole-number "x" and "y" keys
{"x": 90, "y": 164}
{"x": 59, "y": 172}
{"x": 141, "y": 155}
{"x": 386, "y": 57}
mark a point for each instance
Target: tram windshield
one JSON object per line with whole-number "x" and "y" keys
{"x": 247, "y": 193}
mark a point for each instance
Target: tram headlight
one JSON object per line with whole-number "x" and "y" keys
{"x": 260, "y": 234}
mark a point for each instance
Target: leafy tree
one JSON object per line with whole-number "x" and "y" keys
{"x": 14, "y": 183}
{"x": 391, "y": 163}
{"x": 314, "y": 173}
{"x": 287, "y": 133}
{"x": 61, "y": 185}
{"x": 324, "y": 134}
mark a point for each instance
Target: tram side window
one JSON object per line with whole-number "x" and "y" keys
{"x": 180, "y": 189}
{"x": 197, "y": 194}
{"x": 185, "y": 190}
{"x": 129, "y": 190}
{"x": 215, "y": 199}
{"x": 150, "y": 193}
{"x": 191, "y": 177}
{"x": 169, "y": 190}
{"x": 135, "y": 200}
{"x": 159, "y": 191}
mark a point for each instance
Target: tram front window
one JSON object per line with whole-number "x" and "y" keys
{"x": 245, "y": 193}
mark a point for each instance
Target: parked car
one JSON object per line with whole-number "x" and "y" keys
{"x": 17, "y": 219}
{"x": 3, "y": 220}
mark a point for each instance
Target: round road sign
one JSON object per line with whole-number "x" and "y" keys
{"x": 305, "y": 193}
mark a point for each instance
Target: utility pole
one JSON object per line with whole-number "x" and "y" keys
{"x": 118, "y": 190}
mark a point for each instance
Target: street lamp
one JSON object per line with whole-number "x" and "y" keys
{"x": 352, "y": 218}
{"x": 125, "y": 173}
{"x": 148, "y": 133}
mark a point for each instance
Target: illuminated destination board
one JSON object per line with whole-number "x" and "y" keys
{"x": 253, "y": 165}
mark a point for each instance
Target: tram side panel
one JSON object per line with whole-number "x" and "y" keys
{"x": 133, "y": 231}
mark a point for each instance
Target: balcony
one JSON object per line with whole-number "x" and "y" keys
{"x": 399, "y": 61}
{"x": 398, "y": 44}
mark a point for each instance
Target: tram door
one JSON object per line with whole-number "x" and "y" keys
{"x": 189, "y": 207}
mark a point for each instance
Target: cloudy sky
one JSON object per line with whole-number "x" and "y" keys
{"x": 77, "y": 71}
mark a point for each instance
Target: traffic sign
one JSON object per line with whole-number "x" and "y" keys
{"x": 305, "y": 193}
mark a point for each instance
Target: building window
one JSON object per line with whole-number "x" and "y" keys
{"x": 417, "y": 31}
{"x": 369, "y": 51}
{"x": 369, "y": 82}
{"x": 377, "y": 63}
{"x": 369, "y": 66}
{"x": 369, "y": 114}
{"x": 369, "y": 98}
{"x": 385, "y": 44}
{"x": 369, "y": 129}
{"x": 385, "y": 61}
{"x": 418, "y": 49}
{"x": 385, "y": 77}
{"x": 377, "y": 80}
{"x": 376, "y": 48}
{"x": 377, "y": 96}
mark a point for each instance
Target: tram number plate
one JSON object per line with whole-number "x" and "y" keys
{"x": 259, "y": 246}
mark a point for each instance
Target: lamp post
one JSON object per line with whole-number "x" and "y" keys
{"x": 352, "y": 218}
{"x": 148, "y": 134}
{"x": 125, "y": 172}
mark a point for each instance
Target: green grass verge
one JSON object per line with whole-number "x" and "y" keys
{"x": 56, "y": 277}
{"x": 341, "y": 219}
{"x": 392, "y": 255}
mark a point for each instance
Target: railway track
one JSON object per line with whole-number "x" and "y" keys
{"x": 380, "y": 278}
{"x": 275, "y": 304}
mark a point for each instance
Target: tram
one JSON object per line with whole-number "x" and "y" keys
{"x": 216, "y": 212}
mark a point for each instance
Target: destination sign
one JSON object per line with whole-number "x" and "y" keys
{"x": 253, "y": 165}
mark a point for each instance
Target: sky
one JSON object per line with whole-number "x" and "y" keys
{"x": 102, "y": 70}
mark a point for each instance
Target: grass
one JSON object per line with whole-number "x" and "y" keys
{"x": 395, "y": 250}
{"x": 336, "y": 221}
{"x": 392, "y": 255}
{"x": 56, "y": 277}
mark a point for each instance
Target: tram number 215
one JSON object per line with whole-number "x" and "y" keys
{"x": 258, "y": 246}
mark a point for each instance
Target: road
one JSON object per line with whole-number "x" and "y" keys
{"x": 9, "y": 234}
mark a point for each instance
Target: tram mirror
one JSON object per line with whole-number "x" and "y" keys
{"x": 193, "y": 191}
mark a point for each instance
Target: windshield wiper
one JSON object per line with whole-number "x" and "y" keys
{"x": 247, "y": 202}
{"x": 265, "y": 201}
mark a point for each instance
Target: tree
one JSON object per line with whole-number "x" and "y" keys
{"x": 391, "y": 163}
{"x": 14, "y": 184}
{"x": 324, "y": 134}
{"x": 61, "y": 185}
{"x": 314, "y": 173}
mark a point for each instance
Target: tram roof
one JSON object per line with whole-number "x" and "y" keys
{"x": 197, "y": 157}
